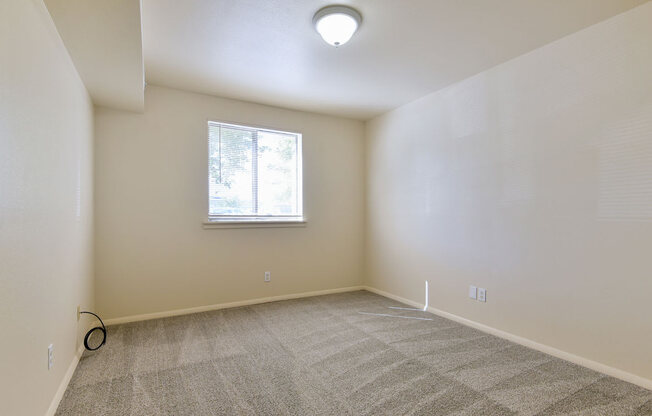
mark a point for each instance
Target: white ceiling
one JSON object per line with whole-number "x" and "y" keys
{"x": 267, "y": 51}
{"x": 104, "y": 40}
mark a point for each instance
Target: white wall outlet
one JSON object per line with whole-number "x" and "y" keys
{"x": 482, "y": 294}
{"x": 268, "y": 276}
{"x": 50, "y": 356}
{"x": 473, "y": 292}
{"x": 78, "y": 312}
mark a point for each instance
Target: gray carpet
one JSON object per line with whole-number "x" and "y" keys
{"x": 320, "y": 356}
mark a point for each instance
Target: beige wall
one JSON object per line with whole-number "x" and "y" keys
{"x": 45, "y": 207}
{"x": 534, "y": 181}
{"x": 152, "y": 254}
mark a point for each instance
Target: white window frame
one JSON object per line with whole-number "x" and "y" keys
{"x": 259, "y": 221}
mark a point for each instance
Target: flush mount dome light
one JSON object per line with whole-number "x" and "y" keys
{"x": 336, "y": 24}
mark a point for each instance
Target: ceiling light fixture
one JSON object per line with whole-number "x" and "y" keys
{"x": 336, "y": 24}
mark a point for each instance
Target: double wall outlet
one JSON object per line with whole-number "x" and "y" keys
{"x": 268, "y": 276}
{"x": 478, "y": 293}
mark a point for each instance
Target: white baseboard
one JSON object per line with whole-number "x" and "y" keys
{"x": 54, "y": 404}
{"x": 176, "y": 312}
{"x": 394, "y": 297}
{"x": 576, "y": 359}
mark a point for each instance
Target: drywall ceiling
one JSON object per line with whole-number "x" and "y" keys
{"x": 267, "y": 51}
{"x": 104, "y": 40}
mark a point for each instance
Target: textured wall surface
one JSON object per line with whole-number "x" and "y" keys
{"x": 534, "y": 181}
{"x": 46, "y": 214}
{"x": 152, "y": 253}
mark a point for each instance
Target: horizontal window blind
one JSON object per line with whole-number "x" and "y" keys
{"x": 253, "y": 174}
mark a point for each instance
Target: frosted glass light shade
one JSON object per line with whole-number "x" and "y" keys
{"x": 337, "y": 24}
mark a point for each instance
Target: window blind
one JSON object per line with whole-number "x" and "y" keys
{"x": 253, "y": 174}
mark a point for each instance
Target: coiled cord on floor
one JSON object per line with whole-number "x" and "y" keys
{"x": 97, "y": 328}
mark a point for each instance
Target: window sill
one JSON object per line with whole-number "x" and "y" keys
{"x": 280, "y": 223}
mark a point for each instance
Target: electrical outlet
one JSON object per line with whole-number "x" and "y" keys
{"x": 473, "y": 292}
{"x": 482, "y": 294}
{"x": 78, "y": 312}
{"x": 50, "y": 356}
{"x": 268, "y": 276}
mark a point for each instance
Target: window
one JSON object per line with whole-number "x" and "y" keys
{"x": 253, "y": 174}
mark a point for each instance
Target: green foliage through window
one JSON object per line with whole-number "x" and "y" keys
{"x": 253, "y": 172}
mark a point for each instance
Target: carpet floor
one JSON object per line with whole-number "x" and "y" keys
{"x": 322, "y": 356}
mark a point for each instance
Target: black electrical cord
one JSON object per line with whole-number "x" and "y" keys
{"x": 97, "y": 328}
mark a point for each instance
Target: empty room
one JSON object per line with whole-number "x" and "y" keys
{"x": 304, "y": 207}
